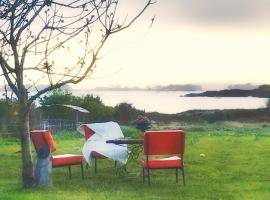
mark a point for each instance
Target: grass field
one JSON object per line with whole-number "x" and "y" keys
{"x": 222, "y": 161}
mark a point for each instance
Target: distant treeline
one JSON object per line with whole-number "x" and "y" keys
{"x": 98, "y": 112}
{"x": 211, "y": 116}
{"x": 171, "y": 87}
{"x": 262, "y": 91}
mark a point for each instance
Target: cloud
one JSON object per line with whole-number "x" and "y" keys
{"x": 218, "y": 11}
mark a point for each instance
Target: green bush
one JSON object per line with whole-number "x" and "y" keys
{"x": 57, "y": 96}
{"x": 268, "y": 103}
{"x": 126, "y": 113}
{"x": 8, "y": 116}
{"x": 98, "y": 111}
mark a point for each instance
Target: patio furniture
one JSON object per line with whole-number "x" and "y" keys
{"x": 126, "y": 141}
{"x": 41, "y": 138}
{"x": 95, "y": 147}
{"x": 95, "y": 155}
{"x": 135, "y": 147}
{"x": 163, "y": 150}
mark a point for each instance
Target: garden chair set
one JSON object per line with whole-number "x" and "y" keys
{"x": 161, "y": 149}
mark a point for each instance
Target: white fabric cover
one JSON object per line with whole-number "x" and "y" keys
{"x": 97, "y": 142}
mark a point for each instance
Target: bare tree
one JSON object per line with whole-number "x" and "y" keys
{"x": 37, "y": 37}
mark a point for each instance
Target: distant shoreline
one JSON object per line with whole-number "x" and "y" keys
{"x": 211, "y": 116}
{"x": 171, "y": 87}
{"x": 262, "y": 91}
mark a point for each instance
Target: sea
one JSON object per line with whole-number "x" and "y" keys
{"x": 172, "y": 102}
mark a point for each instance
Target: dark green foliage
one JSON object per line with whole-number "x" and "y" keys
{"x": 57, "y": 96}
{"x": 262, "y": 91}
{"x": 8, "y": 116}
{"x": 268, "y": 103}
{"x": 3, "y": 108}
{"x": 241, "y": 115}
{"x": 161, "y": 117}
{"x": 264, "y": 87}
{"x": 125, "y": 112}
{"x": 98, "y": 111}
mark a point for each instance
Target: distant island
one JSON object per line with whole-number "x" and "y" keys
{"x": 262, "y": 91}
{"x": 171, "y": 87}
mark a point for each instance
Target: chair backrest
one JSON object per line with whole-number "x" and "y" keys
{"x": 164, "y": 142}
{"x": 88, "y": 132}
{"x": 42, "y": 138}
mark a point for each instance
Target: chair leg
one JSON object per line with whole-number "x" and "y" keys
{"x": 69, "y": 171}
{"x": 82, "y": 172}
{"x": 148, "y": 174}
{"x": 176, "y": 175}
{"x": 95, "y": 165}
{"x": 143, "y": 174}
{"x": 183, "y": 174}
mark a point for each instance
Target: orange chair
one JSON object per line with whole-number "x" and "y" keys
{"x": 44, "y": 138}
{"x": 163, "y": 150}
{"x": 87, "y": 134}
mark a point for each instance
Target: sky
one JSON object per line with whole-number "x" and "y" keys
{"x": 208, "y": 42}
{"x": 214, "y": 43}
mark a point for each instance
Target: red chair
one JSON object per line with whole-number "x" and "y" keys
{"x": 44, "y": 137}
{"x": 87, "y": 134}
{"x": 163, "y": 150}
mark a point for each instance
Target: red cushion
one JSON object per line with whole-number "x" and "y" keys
{"x": 162, "y": 164}
{"x": 67, "y": 159}
{"x": 95, "y": 154}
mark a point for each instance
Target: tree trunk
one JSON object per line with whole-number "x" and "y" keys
{"x": 27, "y": 163}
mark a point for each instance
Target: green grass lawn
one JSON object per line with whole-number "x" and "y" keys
{"x": 235, "y": 165}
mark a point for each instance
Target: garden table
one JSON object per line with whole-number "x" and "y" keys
{"x": 135, "y": 148}
{"x": 126, "y": 141}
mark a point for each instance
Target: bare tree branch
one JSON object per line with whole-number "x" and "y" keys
{"x": 150, "y": 2}
{"x": 6, "y": 75}
{"x": 33, "y": 36}
{"x": 29, "y": 21}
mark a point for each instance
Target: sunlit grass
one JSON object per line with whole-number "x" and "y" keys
{"x": 235, "y": 165}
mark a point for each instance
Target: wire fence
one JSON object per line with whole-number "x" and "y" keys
{"x": 54, "y": 125}
{"x": 59, "y": 124}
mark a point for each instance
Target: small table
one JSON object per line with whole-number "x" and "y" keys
{"x": 135, "y": 148}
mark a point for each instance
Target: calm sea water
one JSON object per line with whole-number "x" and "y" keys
{"x": 173, "y": 102}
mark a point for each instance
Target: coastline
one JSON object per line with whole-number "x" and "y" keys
{"x": 262, "y": 91}
{"x": 211, "y": 116}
